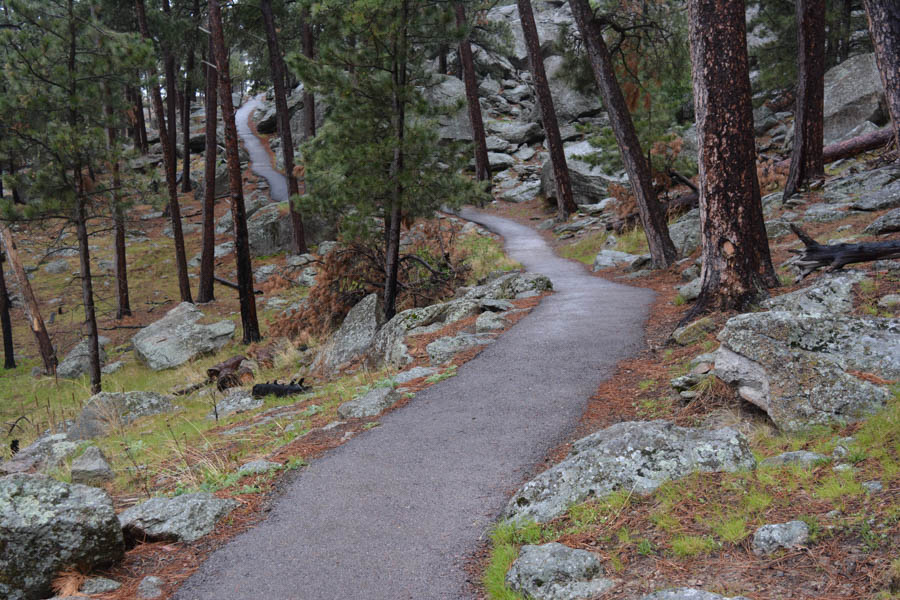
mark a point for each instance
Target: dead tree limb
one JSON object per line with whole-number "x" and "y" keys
{"x": 233, "y": 285}
{"x": 835, "y": 256}
{"x": 851, "y": 147}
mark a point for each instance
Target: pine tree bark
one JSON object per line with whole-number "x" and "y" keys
{"x": 467, "y": 65}
{"x": 87, "y": 288}
{"x": 884, "y": 28}
{"x": 207, "y": 256}
{"x": 394, "y": 214}
{"x": 652, "y": 214}
{"x": 9, "y": 360}
{"x": 168, "y": 148}
{"x": 32, "y": 310}
{"x": 123, "y": 304}
{"x": 806, "y": 158}
{"x": 298, "y": 239}
{"x": 309, "y": 99}
{"x": 143, "y": 144}
{"x": 564, "y": 200}
{"x": 737, "y": 267}
{"x": 239, "y": 216}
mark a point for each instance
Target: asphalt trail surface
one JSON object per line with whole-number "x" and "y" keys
{"x": 394, "y": 513}
{"x": 260, "y": 160}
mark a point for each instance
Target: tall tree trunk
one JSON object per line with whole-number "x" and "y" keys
{"x": 298, "y": 240}
{"x": 884, "y": 27}
{"x": 467, "y": 65}
{"x": 184, "y": 285}
{"x": 141, "y": 121}
{"x": 187, "y": 99}
{"x": 395, "y": 212}
{"x": 207, "y": 257}
{"x": 737, "y": 267}
{"x": 565, "y": 202}
{"x": 123, "y": 304}
{"x": 87, "y": 288}
{"x": 806, "y": 158}
{"x": 239, "y": 216}
{"x": 309, "y": 99}
{"x": 9, "y": 360}
{"x": 653, "y": 216}
{"x": 442, "y": 59}
{"x": 32, "y": 311}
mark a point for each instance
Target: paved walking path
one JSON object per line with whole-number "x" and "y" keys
{"x": 394, "y": 513}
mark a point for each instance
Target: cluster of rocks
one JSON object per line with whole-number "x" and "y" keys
{"x": 49, "y": 526}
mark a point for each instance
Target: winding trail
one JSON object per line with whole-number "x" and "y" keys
{"x": 260, "y": 160}
{"x": 395, "y": 512}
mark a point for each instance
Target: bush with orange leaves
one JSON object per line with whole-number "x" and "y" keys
{"x": 431, "y": 268}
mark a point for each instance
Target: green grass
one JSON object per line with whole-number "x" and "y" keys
{"x": 731, "y": 529}
{"x": 633, "y": 241}
{"x": 585, "y": 250}
{"x": 485, "y": 255}
{"x": 688, "y": 546}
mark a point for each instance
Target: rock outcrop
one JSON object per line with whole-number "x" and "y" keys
{"x": 179, "y": 337}
{"x": 108, "y": 410}
{"x": 49, "y": 526}
{"x": 355, "y": 335}
{"x": 637, "y": 456}
{"x": 369, "y": 404}
{"x": 78, "y": 361}
{"x": 557, "y": 572}
{"x": 183, "y": 518}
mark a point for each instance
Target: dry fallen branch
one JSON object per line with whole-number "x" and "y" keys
{"x": 835, "y": 256}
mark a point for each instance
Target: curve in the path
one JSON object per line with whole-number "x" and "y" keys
{"x": 260, "y": 160}
{"x": 394, "y": 513}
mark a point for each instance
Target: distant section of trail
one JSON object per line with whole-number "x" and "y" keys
{"x": 260, "y": 159}
{"x": 394, "y": 513}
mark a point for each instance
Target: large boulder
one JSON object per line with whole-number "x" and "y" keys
{"x": 91, "y": 468}
{"x": 48, "y": 526}
{"x": 237, "y": 400}
{"x": 78, "y": 361}
{"x": 509, "y": 285}
{"x": 108, "y": 410}
{"x": 45, "y": 453}
{"x": 222, "y": 185}
{"x": 831, "y": 294}
{"x": 369, "y": 404}
{"x": 556, "y": 572}
{"x": 516, "y": 132}
{"x": 450, "y": 95}
{"x": 270, "y": 230}
{"x": 549, "y": 19}
{"x": 802, "y": 369}
{"x": 443, "y": 349}
{"x": 635, "y": 455}
{"x": 853, "y": 94}
{"x": 886, "y": 223}
{"x": 355, "y": 335}
{"x": 589, "y": 182}
{"x": 688, "y": 594}
{"x": 183, "y": 518}
{"x": 179, "y": 337}
{"x": 685, "y": 232}
{"x": 570, "y": 103}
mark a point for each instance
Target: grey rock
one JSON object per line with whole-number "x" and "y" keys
{"x": 327, "y": 247}
{"x": 795, "y": 366}
{"x": 369, "y": 404}
{"x": 414, "y": 373}
{"x": 443, "y": 349}
{"x": 112, "y": 367}
{"x": 509, "y": 285}
{"x": 688, "y": 594}
{"x": 826, "y": 213}
{"x": 873, "y": 487}
{"x": 389, "y": 346}
{"x": 887, "y": 223}
{"x": 57, "y": 267}
{"x": 500, "y": 161}
{"x": 637, "y": 455}
{"x": 570, "y": 103}
{"x": 515, "y": 132}
{"x": 490, "y": 321}
{"x": 221, "y": 181}
{"x": 99, "y": 585}
{"x": 270, "y": 230}
{"x": 830, "y": 294}
{"x": 223, "y": 249}
{"x": 889, "y": 302}
{"x": 78, "y": 361}
{"x": 237, "y": 400}
{"x": 685, "y": 232}
{"x": 263, "y": 273}
{"x": 886, "y": 197}
{"x": 549, "y": 20}
{"x": 776, "y": 228}
{"x": 769, "y": 538}
{"x": 255, "y": 467}
{"x": 607, "y": 259}
{"x": 450, "y": 93}
{"x": 150, "y": 587}
{"x": 556, "y": 572}
{"x": 691, "y": 290}
{"x": 45, "y": 453}
{"x": 308, "y": 277}
{"x": 107, "y": 410}
{"x": 853, "y": 94}
{"x": 694, "y": 331}
{"x": 497, "y": 144}
{"x": 525, "y": 153}
{"x": 183, "y": 518}
{"x": 589, "y": 183}
{"x": 252, "y": 203}
{"x": 179, "y": 337}
{"x": 489, "y": 304}
{"x": 186, "y": 229}
{"x": 48, "y": 525}
{"x": 91, "y": 467}
{"x": 355, "y": 336}
{"x": 299, "y": 260}
{"x": 525, "y": 192}
{"x": 802, "y": 458}
{"x": 577, "y": 225}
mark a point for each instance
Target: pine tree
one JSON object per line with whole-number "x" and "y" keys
{"x": 61, "y": 65}
{"x": 377, "y": 156}
{"x": 884, "y": 28}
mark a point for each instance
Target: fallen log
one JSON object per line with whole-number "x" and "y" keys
{"x": 835, "y": 256}
{"x": 279, "y": 389}
{"x": 851, "y": 147}
{"x": 233, "y": 285}
{"x": 215, "y": 371}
